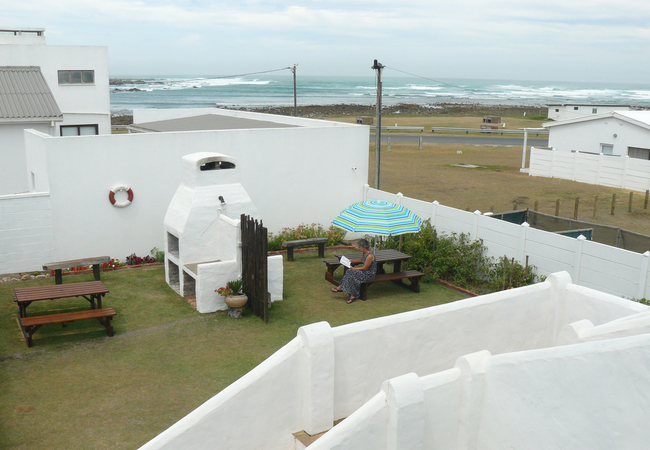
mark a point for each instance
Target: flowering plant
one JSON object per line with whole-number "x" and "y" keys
{"x": 224, "y": 291}
{"x": 231, "y": 288}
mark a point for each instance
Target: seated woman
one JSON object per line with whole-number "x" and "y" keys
{"x": 351, "y": 282}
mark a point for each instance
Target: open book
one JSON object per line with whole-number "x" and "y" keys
{"x": 345, "y": 261}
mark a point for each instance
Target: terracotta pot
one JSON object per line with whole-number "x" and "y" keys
{"x": 236, "y": 301}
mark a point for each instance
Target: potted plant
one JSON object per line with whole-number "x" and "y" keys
{"x": 232, "y": 294}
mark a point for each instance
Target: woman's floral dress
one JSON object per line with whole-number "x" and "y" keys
{"x": 351, "y": 282}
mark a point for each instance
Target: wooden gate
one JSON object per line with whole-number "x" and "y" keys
{"x": 254, "y": 239}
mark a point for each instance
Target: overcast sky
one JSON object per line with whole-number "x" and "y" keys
{"x": 554, "y": 40}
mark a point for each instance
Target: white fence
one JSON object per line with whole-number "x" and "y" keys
{"x": 598, "y": 266}
{"x": 606, "y": 170}
{"x": 26, "y": 240}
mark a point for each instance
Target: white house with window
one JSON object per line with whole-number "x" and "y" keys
{"x": 57, "y": 90}
{"x": 617, "y": 133}
{"x": 567, "y": 111}
{"x": 611, "y": 149}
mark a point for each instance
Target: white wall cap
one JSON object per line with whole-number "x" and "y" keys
{"x": 477, "y": 212}
{"x": 474, "y": 363}
{"x": 525, "y": 224}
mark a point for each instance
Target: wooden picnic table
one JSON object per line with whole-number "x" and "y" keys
{"x": 92, "y": 291}
{"x": 59, "y": 266}
{"x": 381, "y": 256}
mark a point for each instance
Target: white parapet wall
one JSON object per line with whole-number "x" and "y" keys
{"x": 325, "y": 374}
{"x": 591, "y": 396}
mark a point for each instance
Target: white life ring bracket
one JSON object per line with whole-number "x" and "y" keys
{"x": 125, "y": 203}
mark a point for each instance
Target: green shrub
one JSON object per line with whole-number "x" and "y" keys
{"x": 303, "y": 231}
{"x": 457, "y": 259}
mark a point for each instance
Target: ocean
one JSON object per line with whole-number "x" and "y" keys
{"x": 128, "y": 93}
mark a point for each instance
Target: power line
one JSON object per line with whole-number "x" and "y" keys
{"x": 426, "y": 78}
{"x": 252, "y": 73}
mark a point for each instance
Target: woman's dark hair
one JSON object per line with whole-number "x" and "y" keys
{"x": 363, "y": 243}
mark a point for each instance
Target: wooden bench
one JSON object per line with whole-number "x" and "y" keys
{"x": 290, "y": 245}
{"x": 396, "y": 277}
{"x": 31, "y": 324}
{"x": 59, "y": 266}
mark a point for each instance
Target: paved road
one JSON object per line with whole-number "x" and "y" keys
{"x": 478, "y": 140}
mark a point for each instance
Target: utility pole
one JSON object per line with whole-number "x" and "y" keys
{"x": 378, "y": 67}
{"x": 295, "y": 97}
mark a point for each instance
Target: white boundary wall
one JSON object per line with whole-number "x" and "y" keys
{"x": 26, "y": 240}
{"x": 598, "y": 266}
{"x": 616, "y": 171}
{"x": 294, "y": 175}
{"x": 327, "y": 373}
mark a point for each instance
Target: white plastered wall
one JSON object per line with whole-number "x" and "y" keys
{"x": 435, "y": 394}
{"x": 295, "y": 175}
{"x": 14, "y": 177}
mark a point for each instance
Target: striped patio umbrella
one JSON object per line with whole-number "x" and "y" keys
{"x": 378, "y": 217}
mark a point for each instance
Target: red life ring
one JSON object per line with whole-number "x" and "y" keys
{"x": 127, "y": 202}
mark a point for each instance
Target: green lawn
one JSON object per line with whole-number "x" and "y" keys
{"x": 78, "y": 388}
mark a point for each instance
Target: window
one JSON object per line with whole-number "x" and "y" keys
{"x": 640, "y": 153}
{"x": 76, "y": 77}
{"x": 79, "y": 130}
{"x": 607, "y": 149}
{"x": 557, "y": 109}
{"x": 594, "y": 110}
{"x": 575, "y": 108}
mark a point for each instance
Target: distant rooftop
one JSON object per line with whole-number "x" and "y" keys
{"x": 206, "y": 122}
{"x": 27, "y": 36}
{"x": 25, "y": 95}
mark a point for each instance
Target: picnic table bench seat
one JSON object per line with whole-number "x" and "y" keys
{"x": 31, "y": 324}
{"x": 310, "y": 242}
{"x": 396, "y": 277}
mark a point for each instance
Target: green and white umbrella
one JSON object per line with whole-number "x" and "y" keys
{"x": 378, "y": 217}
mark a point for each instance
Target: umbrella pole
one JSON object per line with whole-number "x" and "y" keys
{"x": 400, "y": 242}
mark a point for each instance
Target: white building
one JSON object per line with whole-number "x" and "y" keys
{"x": 574, "y": 111}
{"x": 618, "y": 133}
{"x": 56, "y": 90}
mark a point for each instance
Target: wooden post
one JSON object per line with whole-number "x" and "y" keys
{"x": 557, "y": 208}
{"x": 420, "y": 146}
{"x": 575, "y": 209}
{"x": 514, "y": 206}
{"x": 536, "y": 207}
{"x": 595, "y": 206}
{"x": 388, "y": 144}
{"x": 629, "y": 205}
{"x": 645, "y": 203}
{"x": 613, "y": 204}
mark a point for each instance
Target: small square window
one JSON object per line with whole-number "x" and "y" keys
{"x": 575, "y": 108}
{"x": 557, "y": 110}
{"x": 594, "y": 110}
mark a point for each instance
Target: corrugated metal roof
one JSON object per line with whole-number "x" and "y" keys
{"x": 25, "y": 95}
{"x": 206, "y": 122}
